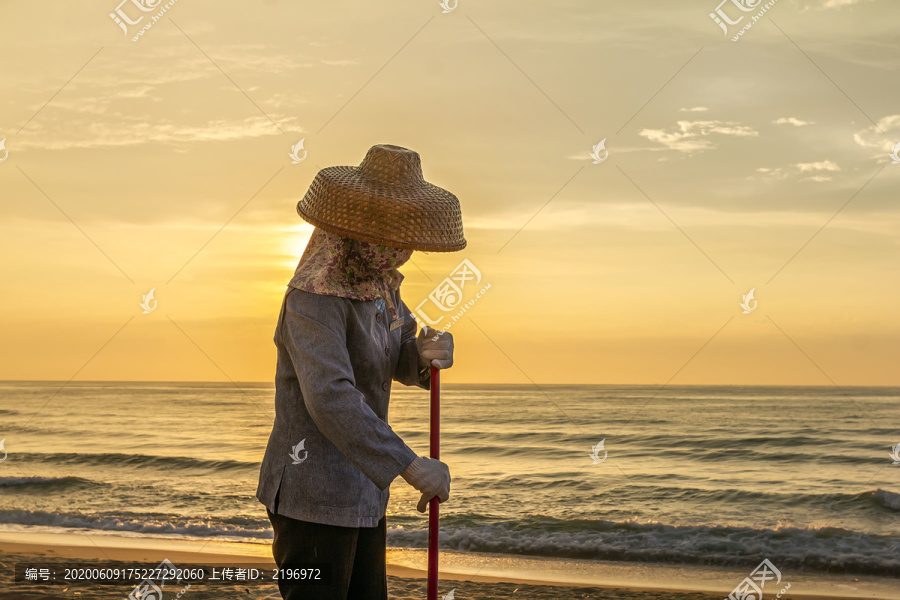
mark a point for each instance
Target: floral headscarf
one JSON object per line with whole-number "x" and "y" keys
{"x": 347, "y": 268}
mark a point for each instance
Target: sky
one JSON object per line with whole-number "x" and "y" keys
{"x": 727, "y": 166}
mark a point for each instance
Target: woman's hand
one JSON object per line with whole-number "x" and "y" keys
{"x": 431, "y": 477}
{"x": 435, "y": 348}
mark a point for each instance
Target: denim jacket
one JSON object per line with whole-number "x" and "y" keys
{"x": 331, "y": 456}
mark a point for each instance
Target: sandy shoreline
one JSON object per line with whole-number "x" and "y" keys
{"x": 645, "y": 581}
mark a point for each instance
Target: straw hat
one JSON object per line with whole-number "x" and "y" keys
{"x": 385, "y": 200}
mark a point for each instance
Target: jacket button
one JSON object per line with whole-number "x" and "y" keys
{"x": 378, "y": 316}
{"x": 387, "y": 351}
{"x": 386, "y": 386}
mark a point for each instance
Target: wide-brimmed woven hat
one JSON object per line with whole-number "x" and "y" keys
{"x": 385, "y": 200}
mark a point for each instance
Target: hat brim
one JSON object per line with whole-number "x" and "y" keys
{"x": 419, "y": 216}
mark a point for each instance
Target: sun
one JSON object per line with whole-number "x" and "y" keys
{"x": 295, "y": 241}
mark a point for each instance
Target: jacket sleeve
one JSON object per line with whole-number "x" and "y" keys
{"x": 314, "y": 333}
{"x": 407, "y": 371}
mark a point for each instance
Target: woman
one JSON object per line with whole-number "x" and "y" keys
{"x": 342, "y": 336}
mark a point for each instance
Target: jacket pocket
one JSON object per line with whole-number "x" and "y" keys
{"x": 332, "y": 480}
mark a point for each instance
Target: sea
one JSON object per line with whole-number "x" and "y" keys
{"x": 712, "y": 476}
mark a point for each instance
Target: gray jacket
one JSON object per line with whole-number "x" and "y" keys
{"x": 336, "y": 360}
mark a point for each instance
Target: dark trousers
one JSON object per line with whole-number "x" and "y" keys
{"x": 355, "y": 555}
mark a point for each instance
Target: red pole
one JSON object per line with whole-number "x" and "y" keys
{"x": 433, "y": 511}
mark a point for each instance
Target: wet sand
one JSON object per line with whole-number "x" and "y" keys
{"x": 404, "y": 582}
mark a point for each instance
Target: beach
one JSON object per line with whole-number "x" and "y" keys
{"x": 404, "y": 582}
{"x": 629, "y": 582}
{"x": 691, "y": 494}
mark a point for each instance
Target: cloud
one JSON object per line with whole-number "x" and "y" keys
{"x": 871, "y": 137}
{"x": 792, "y": 121}
{"x": 695, "y": 109}
{"x": 688, "y": 136}
{"x": 135, "y": 130}
{"x": 812, "y": 167}
{"x": 824, "y": 165}
{"x": 840, "y": 3}
{"x": 777, "y": 173}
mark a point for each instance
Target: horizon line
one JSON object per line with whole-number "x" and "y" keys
{"x": 443, "y": 383}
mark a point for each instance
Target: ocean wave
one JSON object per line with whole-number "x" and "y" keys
{"x": 44, "y": 484}
{"x": 884, "y": 501}
{"x": 154, "y": 524}
{"x": 743, "y": 451}
{"x": 824, "y": 549}
{"x": 872, "y": 502}
{"x": 883, "y": 498}
{"x": 137, "y": 461}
